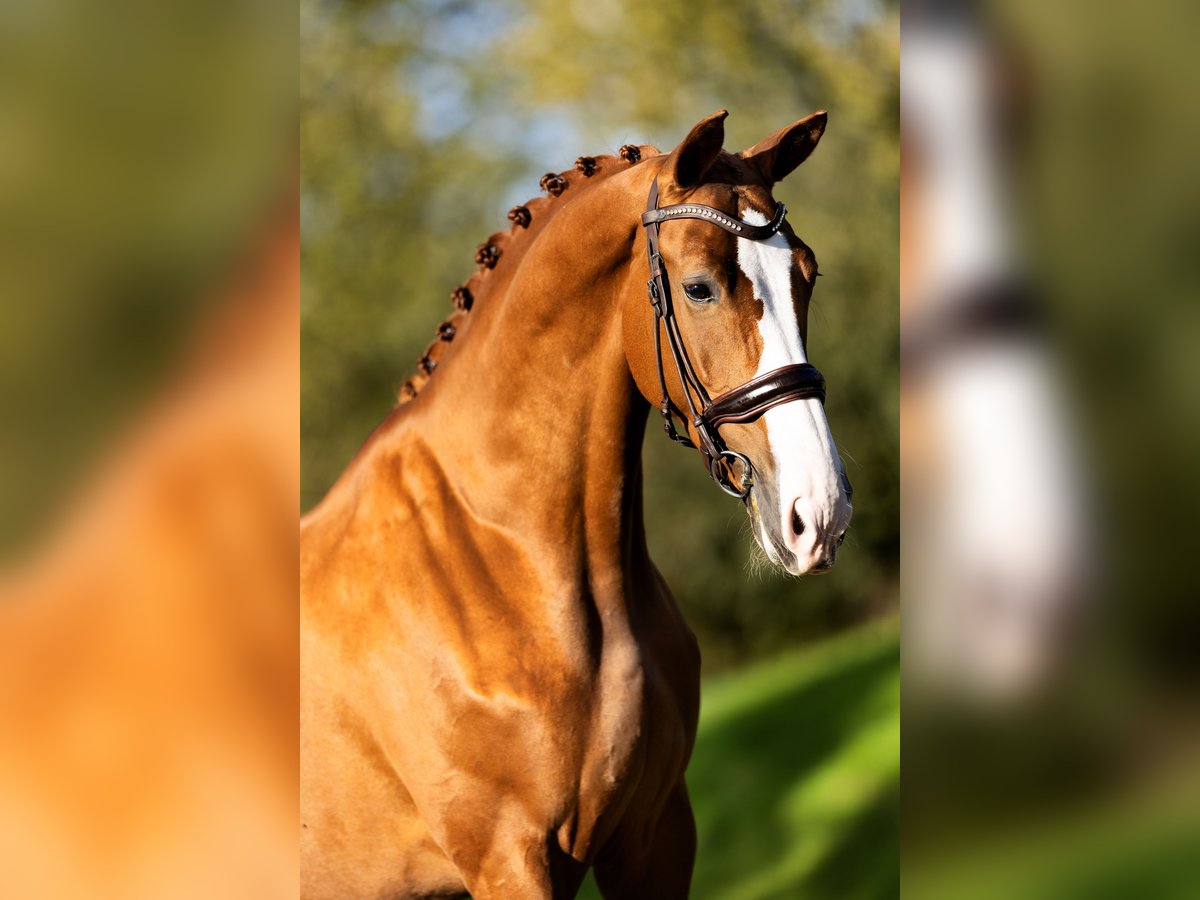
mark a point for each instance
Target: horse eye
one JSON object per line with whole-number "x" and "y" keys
{"x": 700, "y": 293}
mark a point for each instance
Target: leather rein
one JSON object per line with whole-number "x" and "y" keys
{"x": 740, "y": 405}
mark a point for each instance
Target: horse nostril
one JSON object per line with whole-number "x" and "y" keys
{"x": 847, "y": 486}
{"x": 797, "y": 522}
{"x": 841, "y": 539}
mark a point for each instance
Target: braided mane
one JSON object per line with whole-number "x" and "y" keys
{"x": 510, "y": 246}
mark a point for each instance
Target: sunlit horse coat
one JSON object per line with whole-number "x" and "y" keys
{"x": 499, "y": 690}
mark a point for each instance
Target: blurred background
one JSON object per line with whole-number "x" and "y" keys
{"x": 149, "y": 379}
{"x": 423, "y": 122}
{"x": 1049, "y": 337}
{"x": 149, "y": 306}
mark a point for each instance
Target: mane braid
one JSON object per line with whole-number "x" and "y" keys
{"x": 506, "y": 248}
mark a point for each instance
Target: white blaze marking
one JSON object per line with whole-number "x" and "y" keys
{"x": 798, "y": 435}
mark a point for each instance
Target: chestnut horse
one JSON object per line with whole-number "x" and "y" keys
{"x": 498, "y": 688}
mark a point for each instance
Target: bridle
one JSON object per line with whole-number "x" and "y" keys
{"x": 740, "y": 405}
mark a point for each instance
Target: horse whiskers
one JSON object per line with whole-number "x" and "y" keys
{"x": 757, "y": 561}
{"x": 758, "y": 564}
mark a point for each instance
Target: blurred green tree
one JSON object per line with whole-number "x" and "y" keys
{"x": 139, "y": 155}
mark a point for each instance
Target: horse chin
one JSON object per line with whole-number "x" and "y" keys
{"x": 773, "y": 548}
{"x": 792, "y": 565}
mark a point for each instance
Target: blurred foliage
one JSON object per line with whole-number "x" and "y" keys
{"x": 424, "y": 120}
{"x": 1140, "y": 844}
{"x": 141, "y": 146}
{"x": 1094, "y": 792}
{"x": 1114, "y": 215}
{"x": 796, "y": 774}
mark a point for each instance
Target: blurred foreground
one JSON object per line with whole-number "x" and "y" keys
{"x": 1049, "y": 334}
{"x": 148, "y": 660}
{"x": 149, "y": 375}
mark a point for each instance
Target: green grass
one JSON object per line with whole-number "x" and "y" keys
{"x": 1138, "y": 844}
{"x": 795, "y": 778}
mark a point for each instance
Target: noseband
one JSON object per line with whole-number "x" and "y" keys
{"x": 740, "y": 405}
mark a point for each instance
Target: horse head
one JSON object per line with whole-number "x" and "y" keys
{"x": 736, "y": 301}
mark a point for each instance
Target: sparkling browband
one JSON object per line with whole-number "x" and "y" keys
{"x": 729, "y": 223}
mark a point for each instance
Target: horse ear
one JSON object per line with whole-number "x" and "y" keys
{"x": 777, "y": 156}
{"x": 690, "y": 161}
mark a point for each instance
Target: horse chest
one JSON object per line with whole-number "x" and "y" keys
{"x": 584, "y": 739}
{"x": 599, "y": 751}
{"x": 640, "y": 735}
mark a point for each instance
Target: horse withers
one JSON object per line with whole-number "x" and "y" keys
{"x": 499, "y": 691}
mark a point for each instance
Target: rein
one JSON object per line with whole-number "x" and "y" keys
{"x": 740, "y": 405}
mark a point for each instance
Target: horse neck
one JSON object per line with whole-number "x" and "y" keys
{"x": 534, "y": 419}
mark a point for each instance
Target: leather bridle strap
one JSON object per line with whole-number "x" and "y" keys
{"x": 658, "y": 214}
{"x": 783, "y": 385}
{"x": 740, "y": 405}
